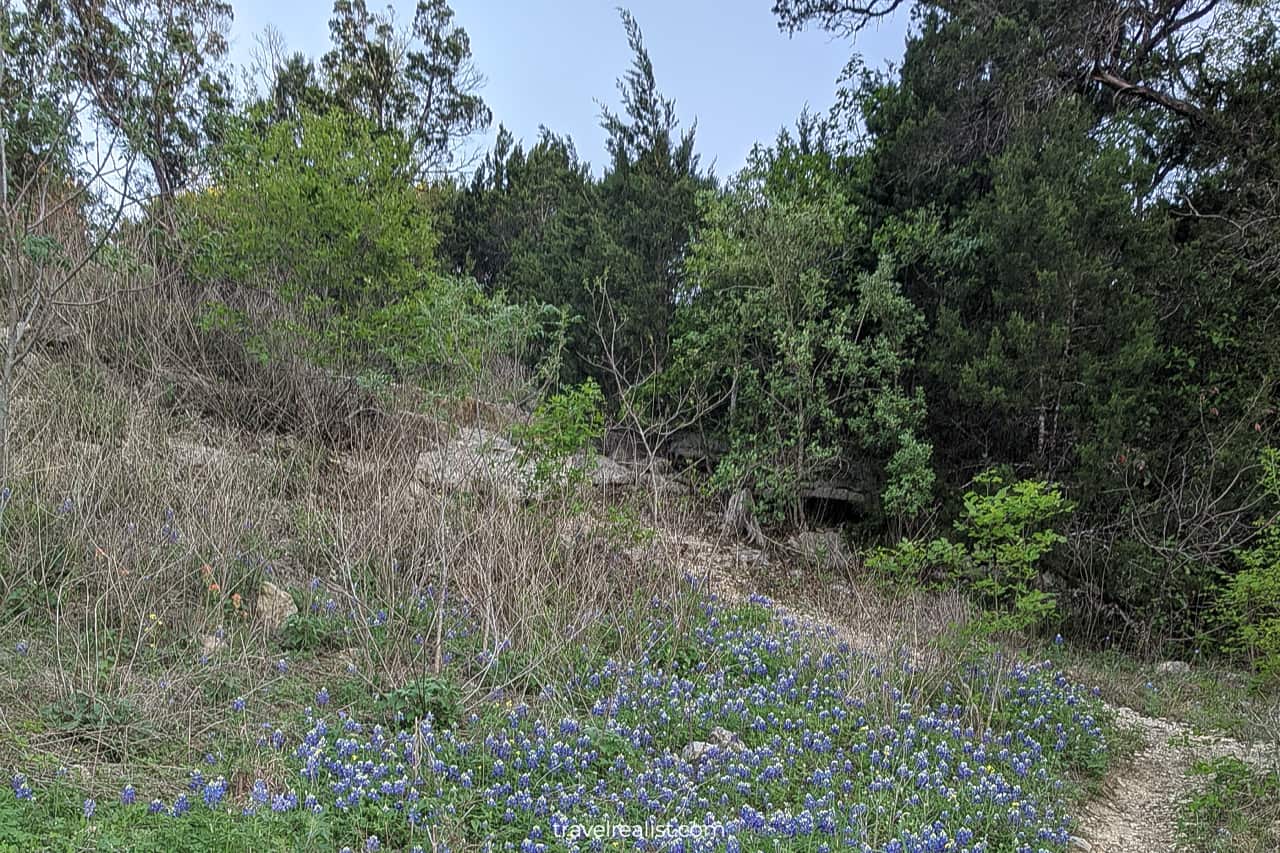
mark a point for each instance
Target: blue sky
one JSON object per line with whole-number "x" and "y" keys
{"x": 548, "y": 62}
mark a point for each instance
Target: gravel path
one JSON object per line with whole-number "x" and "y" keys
{"x": 1138, "y": 806}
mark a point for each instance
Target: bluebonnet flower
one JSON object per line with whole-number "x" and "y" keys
{"x": 21, "y": 789}
{"x": 89, "y": 808}
{"x": 791, "y": 756}
{"x": 22, "y": 648}
{"x": 127, "y": 795}
{"x": 237, "y": 704}
{"x": 214, "y": 792}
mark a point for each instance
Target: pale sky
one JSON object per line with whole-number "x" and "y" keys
{"x": 548, "y": 62}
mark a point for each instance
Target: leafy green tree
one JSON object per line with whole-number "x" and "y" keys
{"x": 1046, "y": 328}
{"x": 417, "y": 80}
{"x": 1076, "y": 196}
{"x": 812, "y": 366}
{"x": 154, "y": 71}
{"x": 296, "y": 89}
{"x": 527, "y": 225}
{"x": 323, "y": 211}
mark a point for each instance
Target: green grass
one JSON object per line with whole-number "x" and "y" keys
{"x": 1236, "y": 808}
{"x": 1212, "y": 698}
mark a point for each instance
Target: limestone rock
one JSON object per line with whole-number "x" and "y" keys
{"x": 606, "y": 472}
{"x": 475, "y": 460}
{"x": 1173, "y": 667}
{"x": 274, "y": 607}
{"x": 822, "y": 549}
{"x": 719, "y": 741}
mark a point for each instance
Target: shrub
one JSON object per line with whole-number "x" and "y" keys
{"x": 917, "y": 563}
{"x": 1250, "y": 602}
{"x": 1006, "y": 532}
{"x": 562, "y": 426}
{"x": 321, "y": 210}
{"x": 430, "y": 696}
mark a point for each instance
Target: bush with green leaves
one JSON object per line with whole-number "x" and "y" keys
{"x": 447, "y": 331}
{"x": 1250, "y": 601}
{"x": 562, "y": 426}
{"x": 1006, "y": 530}
{"x": 918, "y": 563}
{"x": 325, "y": 213}
{"x": 431, "y": 697}
{"x": 322, "y": 210}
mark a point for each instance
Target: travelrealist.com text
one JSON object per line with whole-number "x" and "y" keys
{"x": 650, "y": 830}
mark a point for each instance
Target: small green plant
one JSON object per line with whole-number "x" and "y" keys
{"x": 1237, "y": 809}
{"x": 78, "y": 711}
{"x": 87, "y": 718}
{"x": 1008, "y": 531}
{"x": 562, "y": 426}
{"x": 312, "y": 632}
{"x": 428, "y": 696}
{"x": 917, "y": 563}
{"x": 1250, "y": 602}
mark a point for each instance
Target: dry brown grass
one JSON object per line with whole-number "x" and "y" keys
{"x": 120, "y": 501}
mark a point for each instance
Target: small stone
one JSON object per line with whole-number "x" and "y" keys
{"x": 724, "y": 738}
{"x": 719, "y": 740}
{"x": 1173, "y": 667}
{"x": 211, "y": 644}
{"x": 1078, "y": 843}
{"x": 822, "y": 549}
{"x": 274, "y": 607}
{"x": 696, "y": 751}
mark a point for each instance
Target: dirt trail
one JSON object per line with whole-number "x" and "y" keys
{"x": 1137, "y": 809}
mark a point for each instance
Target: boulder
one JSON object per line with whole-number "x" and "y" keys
{"x": 475, "y": 460}
{"x": 1173, "y": 667}
{"x": 719, "y": 741}
{"x": 822, "y": 549}
{"x": 274, "y": 607}
{"x": 606, "y": 472}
